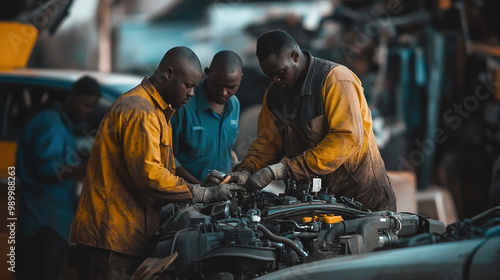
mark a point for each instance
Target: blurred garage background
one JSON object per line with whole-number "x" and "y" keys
{"x": 430, "y": 70}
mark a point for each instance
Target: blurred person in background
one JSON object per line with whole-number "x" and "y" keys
{"x": 205, "y": 129}
{"x": 49, "y": 167}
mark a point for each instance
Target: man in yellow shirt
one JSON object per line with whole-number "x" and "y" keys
{"x": 314, "y": 122}
{"x": 131, "y": 173}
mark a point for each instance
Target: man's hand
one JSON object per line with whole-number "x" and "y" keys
{"x": 217, "y": 193}
{"x": 266, "y": 175}
{"x": 213, "y": 178}
{"x": 239, "y": 177}
{"x": 213, "y": 194}
{"x": 216, "y": 177}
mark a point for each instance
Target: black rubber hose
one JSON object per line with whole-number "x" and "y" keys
{"x": 281, "y": 239}
{"x": 338, "y": 229}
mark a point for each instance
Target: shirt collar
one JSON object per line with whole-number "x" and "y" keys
{"x": 201, "y": 95}
{"x": 64, "y": 116}
{"x": 202, "y": 98}
{"x": 156, "y": 97}
{"x": 306, "y": 85}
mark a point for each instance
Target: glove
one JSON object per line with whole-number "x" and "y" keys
{"x": 213, "y": 194}
{"x": 215, "y": 177}
{"x": 239, "y": 177}
{"x": 266, "y": 175}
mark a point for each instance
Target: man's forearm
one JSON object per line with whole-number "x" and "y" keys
{"x": 186, "y": 175}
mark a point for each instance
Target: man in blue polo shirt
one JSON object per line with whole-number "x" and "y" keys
{"x": 48, "y": 168}
{"x": 205, "y": 129}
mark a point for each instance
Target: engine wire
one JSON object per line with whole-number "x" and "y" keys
{"x": 175, "y": 238}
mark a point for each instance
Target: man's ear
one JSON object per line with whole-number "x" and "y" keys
{"x": 169, "y": 73}
{"x": 207, "y": 70}
{"x": 295, "y": 56}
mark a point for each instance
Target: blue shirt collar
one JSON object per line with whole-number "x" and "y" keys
{"x": 202, "y": 98}
{"x": 201, "y": 95}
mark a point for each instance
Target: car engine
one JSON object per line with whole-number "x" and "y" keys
{"x": 244, "y": 238}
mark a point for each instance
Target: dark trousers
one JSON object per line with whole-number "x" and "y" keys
{"x": 101, "y": 264}
{"x": 43, "y": 256}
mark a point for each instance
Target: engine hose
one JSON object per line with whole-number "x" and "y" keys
{"x": 335, "y": 230}
{"x": 284, "y": 240}
{"x": 362, "y": 224}
{"x": 367, "y": 227}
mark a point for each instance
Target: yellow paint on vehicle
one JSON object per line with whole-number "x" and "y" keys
{"x": 17, "y": 41}
{"x": 8, "y": 152}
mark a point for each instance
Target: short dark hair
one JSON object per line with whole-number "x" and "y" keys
{"x": 86, "y": 86}
{"x": 178, "y": 54}
{"x": 230, "y": 60}
{"x": 274, "y": 42}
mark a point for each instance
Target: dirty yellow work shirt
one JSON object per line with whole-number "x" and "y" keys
{"x": 130, "y": 175}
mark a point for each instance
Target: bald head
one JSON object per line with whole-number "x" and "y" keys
{"x": 178, "y": 73}
{"x": 179, "y": 57}
{"x": 227, "y": 61}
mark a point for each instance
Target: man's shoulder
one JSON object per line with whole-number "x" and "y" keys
{"x": 46, "y": 122}
{"x": 235, "y": 102}
{"x": 50, "y": 113}
{"x": 341, "y": 73}
{"x": 47, "y": 117}
{"x": 134, "y": 102}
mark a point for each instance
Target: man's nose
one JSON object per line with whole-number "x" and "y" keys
{"x": 276, "y": 80}
{"x": 224, "y": 92}
{"x": 191, "y": 93}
